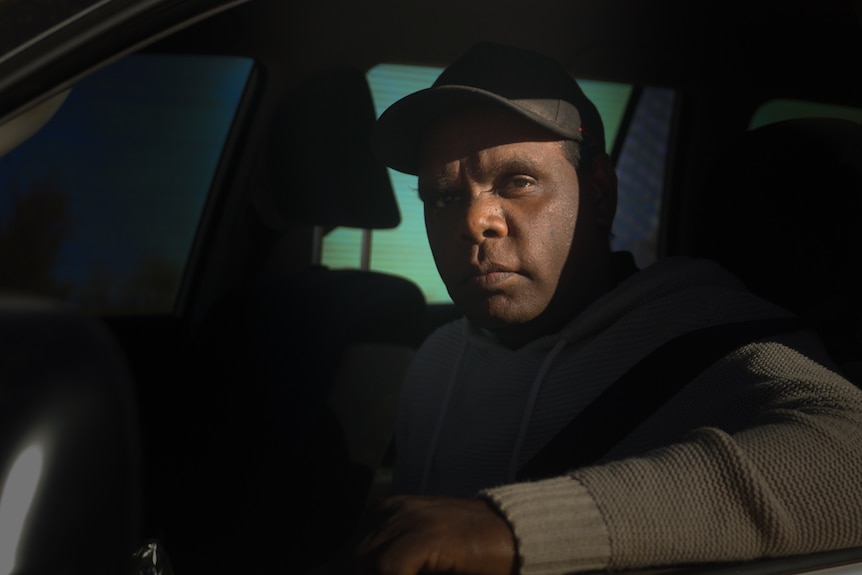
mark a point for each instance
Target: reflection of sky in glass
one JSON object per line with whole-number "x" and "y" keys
{"x": 135, "y": 146}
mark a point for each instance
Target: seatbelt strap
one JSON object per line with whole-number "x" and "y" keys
{"x": 641, "y": 391}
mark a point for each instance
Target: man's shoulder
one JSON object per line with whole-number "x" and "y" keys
{"x": 670, "y": 296}
{"x": 686, "y": 270}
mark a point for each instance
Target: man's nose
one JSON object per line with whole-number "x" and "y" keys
{"x": 485, "y": 218}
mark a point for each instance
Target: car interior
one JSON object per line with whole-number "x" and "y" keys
{"x": 210, "y": 288}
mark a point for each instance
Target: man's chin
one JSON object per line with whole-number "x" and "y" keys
{"x": 496, "y": 314}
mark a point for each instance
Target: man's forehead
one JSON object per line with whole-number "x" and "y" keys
{"x": 469, "y": 132}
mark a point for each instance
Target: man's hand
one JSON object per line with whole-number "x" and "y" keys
{"x": 412, "y": 535}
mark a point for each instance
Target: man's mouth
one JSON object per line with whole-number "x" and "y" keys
{"x": 490, "y": 277}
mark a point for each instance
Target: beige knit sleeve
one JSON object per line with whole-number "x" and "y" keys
{"x": 775, "y": 469}
{"x": 557, "y": 526}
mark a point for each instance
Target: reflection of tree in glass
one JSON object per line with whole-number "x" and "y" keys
{"x": 33, "y": 231}
{"x": 35, "y": 226}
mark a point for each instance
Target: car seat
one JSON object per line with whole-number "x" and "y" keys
{"x": 783, "y": 211}
{"x": 309, "y": 416}
{"x": 69, "y": 445}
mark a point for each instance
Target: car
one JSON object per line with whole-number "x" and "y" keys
{"x": 196, "y": 238}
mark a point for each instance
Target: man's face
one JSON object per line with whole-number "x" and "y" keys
{"x": 502, "y": 211}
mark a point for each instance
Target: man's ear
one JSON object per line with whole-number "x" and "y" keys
{"x": 604, "y": 187}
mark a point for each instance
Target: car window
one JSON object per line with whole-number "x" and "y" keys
{"x": 100, "y": 208}
{"x": 641, "y": 165}
{"x": 641, "y": 171}
{"x": 786, "y": 109}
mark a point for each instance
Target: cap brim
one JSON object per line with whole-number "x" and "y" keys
{"x": 398, "y": 133}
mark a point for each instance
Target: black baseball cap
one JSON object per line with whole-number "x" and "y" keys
{"x": 529, "y": 83}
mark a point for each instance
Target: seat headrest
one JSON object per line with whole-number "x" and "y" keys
{"x": 783, "y": 211}
{"x": 321, "y": 165}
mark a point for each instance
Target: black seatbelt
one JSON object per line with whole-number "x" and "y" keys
{"x": 641, "y": 390}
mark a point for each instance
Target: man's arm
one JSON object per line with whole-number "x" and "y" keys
{"x": 781, "y": 479}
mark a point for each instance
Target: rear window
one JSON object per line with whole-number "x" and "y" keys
{"x": 786, "y": 109}
{"x": 100, "y": 208}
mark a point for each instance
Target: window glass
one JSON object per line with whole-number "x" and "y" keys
{"x": 785, "y": 109}
{"x": 100, "y": 208}
{"x": 404, "y": 250}
{"x": 641, "y": 175}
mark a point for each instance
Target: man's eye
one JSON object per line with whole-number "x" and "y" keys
{"x": 439, "y": 198}
{"x": 445, "y": 199}
{"x": 520, "y": 182}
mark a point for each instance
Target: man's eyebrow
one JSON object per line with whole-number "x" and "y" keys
{"x": 521, "y": 164}
{"x": 439, "y": 183}
{"x": 432, "y": 190}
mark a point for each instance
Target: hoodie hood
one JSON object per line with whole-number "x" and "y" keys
{"x": 634, "y": 288}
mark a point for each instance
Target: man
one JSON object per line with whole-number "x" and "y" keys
{"x": 758, "y": 455}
